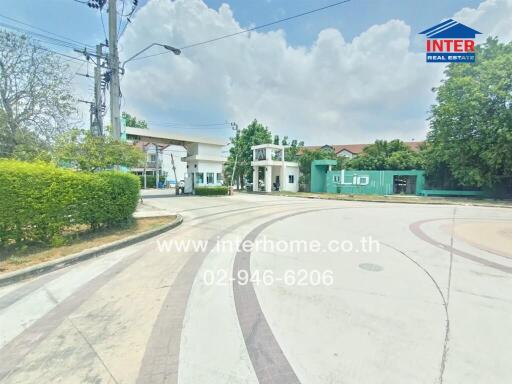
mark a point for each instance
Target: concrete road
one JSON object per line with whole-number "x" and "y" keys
{"x": 265, "y": 289}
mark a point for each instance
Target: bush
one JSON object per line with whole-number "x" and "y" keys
{"x": 150, "y": 180}
{"x": 211, "y": 191}
{"x": 38, "y": 201}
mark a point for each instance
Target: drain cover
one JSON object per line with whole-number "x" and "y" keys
{"x": 370, "y": 267}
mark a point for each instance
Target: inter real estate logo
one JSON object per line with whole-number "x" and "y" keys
{"x": 450, "y": 42}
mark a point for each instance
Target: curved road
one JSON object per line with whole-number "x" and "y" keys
{"x": 266, "y": 289}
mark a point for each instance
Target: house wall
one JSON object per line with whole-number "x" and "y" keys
{"x": 198, "y": 168}
{"x": 345, "y": 153}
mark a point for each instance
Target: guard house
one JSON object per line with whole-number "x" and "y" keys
{"x": 276, "y": 173}
{"x": 204, "y": 157}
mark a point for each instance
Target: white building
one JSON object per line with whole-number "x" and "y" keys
{"x": 204, "y": 165}
{"x": 204, "y": 159}
{"x": 278, "y": 174}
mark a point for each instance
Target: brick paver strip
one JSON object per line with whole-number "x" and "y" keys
{"x": 267, "y": 357}
{"x": 161, "y": 358}
{"x": 13, "y": 353}
{"x": 416, "y": 230}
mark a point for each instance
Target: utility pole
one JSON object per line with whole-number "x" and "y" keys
{"x": 98, "y": 123}
{"x": 176, "y": 188}
{"x": 234, "y": 126}
{"x": 115, "y": 113}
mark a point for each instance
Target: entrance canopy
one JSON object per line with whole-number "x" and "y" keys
{"x": 204, "y": 155}
{"x": 158, "y": 137}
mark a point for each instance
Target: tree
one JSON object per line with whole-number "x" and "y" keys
{"x": 80, "y": 149}
{"x": 35, "y": 99}
{"x": 132, "y": 121}
{"x": 306, "y": 158}
{"x": 292, "y": 152}
{"x": 254, "y": 134}
{"x": 383, "y": 155}
{"x": 470, "y": 134}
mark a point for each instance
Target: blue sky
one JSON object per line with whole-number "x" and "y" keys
{"x": 77, "y": 21}
{"x": 280, "y": 79}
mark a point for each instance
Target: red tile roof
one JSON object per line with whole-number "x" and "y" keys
{"x": 356, "y": 149}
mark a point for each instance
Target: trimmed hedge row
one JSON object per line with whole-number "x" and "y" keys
{"x": 38, "y": 201}
{"x": 211, "y": 191}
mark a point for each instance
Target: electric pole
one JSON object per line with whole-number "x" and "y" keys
{"x": 98, "y": 123}
{"x": 234, "y": 127}
{"x": 176, "y": 188}
{"x": 115, "y": 113}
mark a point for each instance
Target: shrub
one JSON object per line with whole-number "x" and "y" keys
{"x": 150, "y": 180}
{"x": 38, "y": 201}
{"x": 211, "y": 191}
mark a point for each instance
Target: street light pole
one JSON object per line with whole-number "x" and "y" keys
{"x": 176, "y": 51}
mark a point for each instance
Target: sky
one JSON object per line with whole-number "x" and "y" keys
{"x": 352, "y": 73}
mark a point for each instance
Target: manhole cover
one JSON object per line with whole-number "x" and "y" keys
{"x": 370, "y": 267}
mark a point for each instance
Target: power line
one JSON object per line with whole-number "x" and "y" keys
{"x": 47, "y": 39}
{"x": 250, "y": 29}
{"x": 58, "y": 53}
{"x": 44, "y": 30}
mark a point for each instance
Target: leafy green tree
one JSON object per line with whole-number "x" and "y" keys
{"x": 383, "y": 155}
{"x": 254, "y": 134}
{"x": 86, "y": 152}
{"x": 292, "y": 152}
{"x": 132, "y": 121}
{"x": 35, "y": 96}
{"x": 471, "y": 123}
{"x": 306, "y": 158}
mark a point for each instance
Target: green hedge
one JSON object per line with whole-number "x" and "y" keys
{"x": 150, "y": 181}
{"x": 211, "y": 191}
{"x": 38, "y": 201}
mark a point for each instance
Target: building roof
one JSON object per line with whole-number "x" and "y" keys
{"x": 152, "y": 136}
{"x": 356, "y": 149}
{"x": 450, "y": 29}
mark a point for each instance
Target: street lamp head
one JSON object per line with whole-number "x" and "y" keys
{"x": 176, "y": 51}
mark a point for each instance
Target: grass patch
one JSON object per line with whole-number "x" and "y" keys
{"x": 74, "y": 240}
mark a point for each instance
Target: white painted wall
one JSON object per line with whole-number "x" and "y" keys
{"x": 181, "y": 167}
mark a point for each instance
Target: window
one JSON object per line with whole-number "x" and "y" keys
{"x": 209, "y": 178}
{"x": 291, "y": 179}
{"x": 199, "y": 178}
{"x": 152, "y": 157}
{"x": 260, "y": 154}
{"x": 277, "y": 155}
{"x": 219, "y": 178}
{"x": 336, "y": 179}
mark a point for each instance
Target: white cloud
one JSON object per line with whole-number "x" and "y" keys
{"x": 332, "y": 91}
{"x": 491, "y": 17}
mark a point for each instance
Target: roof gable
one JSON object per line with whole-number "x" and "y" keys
{"x": 450, "y": 29}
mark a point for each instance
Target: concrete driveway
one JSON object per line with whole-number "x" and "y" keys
{"x": 265, "y": 289}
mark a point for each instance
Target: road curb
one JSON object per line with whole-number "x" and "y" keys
{"x": 52, "y": 265}
{"x": 419, "y": 202}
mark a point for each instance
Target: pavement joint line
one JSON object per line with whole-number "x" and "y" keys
{"x": 93, "y": 349}
{"x": 442, "y": 365}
